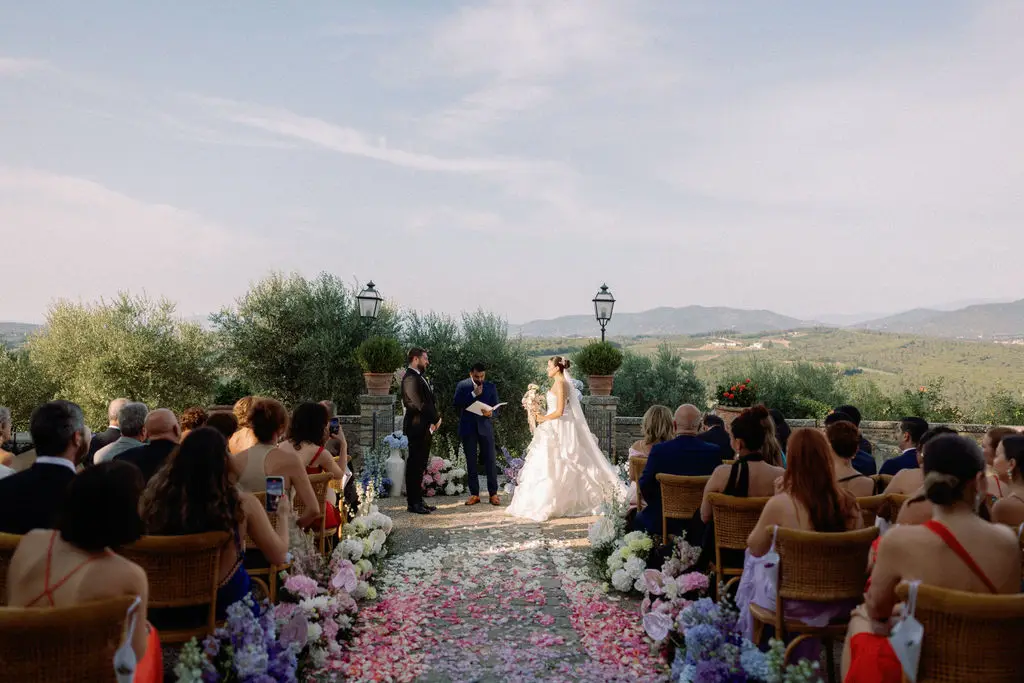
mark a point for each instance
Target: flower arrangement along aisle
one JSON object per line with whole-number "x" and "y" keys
{"x": 375, "y": 472}
{"x": 668, "y": 591}
{"x": 318, "y": 619}
{"x": 247, "y": 649}
{"x": 363, "y": 544}
{"x": 619, "y": 557}
{"x": 443, "y": 477}
{"x": 511, "y": 470}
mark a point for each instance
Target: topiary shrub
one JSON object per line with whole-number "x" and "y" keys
{"x": 380, "y": 355}
{"x": 598, "y": 358}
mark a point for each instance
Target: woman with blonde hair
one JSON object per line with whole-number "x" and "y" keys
{"x": 656, "y": 426}
{"x": 243, "y": 438}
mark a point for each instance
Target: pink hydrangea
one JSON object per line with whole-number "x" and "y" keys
{"x": 300, "y": 585}
{"x": 427, "y": 480}
{"x": 344, "y": 578}
{"x": 692, "y": 581}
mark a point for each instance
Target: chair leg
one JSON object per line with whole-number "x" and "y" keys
{"x": 791, "y": 648}
{"x": 830, "y": 659}
{"x": 758, "y": 631}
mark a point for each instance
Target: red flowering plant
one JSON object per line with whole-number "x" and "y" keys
{"x": 739, "y": 395}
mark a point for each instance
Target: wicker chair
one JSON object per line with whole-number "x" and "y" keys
{"x": 896, "y": 501}
{"x": 881, "y": 481}
{"x": 321, "y": 482}
{"x": 871, "y": 506}
{"x": 734, "y": 519}
{"x": 183, "y": 571}
{"x": 968, "y": 636}
{"x": 816, "y": 567}
{"x": 8, "y": 542}
{"x": 637, "y": 463}
{"x": 62, "y": 644}
{"x": 258, "y": 570}
{"x": 680, "y": 498}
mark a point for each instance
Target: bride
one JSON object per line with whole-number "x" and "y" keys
{"x": 565, "y": 473}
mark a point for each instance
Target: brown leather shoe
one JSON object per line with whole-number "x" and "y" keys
{"x": 495, "y": 500}
{"x": 473, "y": 500}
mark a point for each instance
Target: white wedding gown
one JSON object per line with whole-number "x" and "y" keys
{"x": 565, "y": 474}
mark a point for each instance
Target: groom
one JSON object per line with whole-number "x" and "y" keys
{"x": 421, "y": 421}
{"x": 477, "y": 431}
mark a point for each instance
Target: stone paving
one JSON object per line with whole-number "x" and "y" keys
{"x": 483, "y": 596}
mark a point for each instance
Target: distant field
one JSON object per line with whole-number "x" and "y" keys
{"x": 971, "y": 370}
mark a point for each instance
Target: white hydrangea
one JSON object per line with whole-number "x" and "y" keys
{"x": 458, "y": 472}
{"x": 459, "y": 488}
{"x": 363, "y": 567}
{"x": 362, "y": 591}
{"x": 377, "y": 538}
{"x": 635, "y": 567}
{"x": 621, "y": 581}
{"x": 615, "y": 562}
{"x": 313, "y": 632}
{"x": 601, "y": 532}
{"x": 351, "y": 549}
{"x": 446, "y": 464}
{"x": 344, "y": 622}
{"x": 449, "y": 490}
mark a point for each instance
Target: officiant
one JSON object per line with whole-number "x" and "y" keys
{"x": 477, "y": 431}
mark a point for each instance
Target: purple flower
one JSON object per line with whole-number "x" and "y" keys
{"x": 302, "y": 586}
{"x": 701, "y": 642}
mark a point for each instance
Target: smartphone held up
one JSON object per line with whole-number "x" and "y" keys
{"x": 275, "y": 489}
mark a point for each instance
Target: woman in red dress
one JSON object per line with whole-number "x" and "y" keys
{"x": 956, "y": 549}
{"x": 308, "y": 432}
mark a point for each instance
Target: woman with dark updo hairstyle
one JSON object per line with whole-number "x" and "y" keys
{"x": 956, "y": 549}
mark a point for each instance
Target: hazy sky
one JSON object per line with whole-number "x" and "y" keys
{"x": 806, "y": 157}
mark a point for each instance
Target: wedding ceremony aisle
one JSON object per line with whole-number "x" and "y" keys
{"x": 471, "y": 594}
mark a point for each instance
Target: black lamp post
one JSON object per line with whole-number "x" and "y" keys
{"x": 604, "y": 302}
{"x": 369, "y": 303}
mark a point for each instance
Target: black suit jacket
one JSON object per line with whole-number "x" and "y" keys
{"x": 719, "y": 437}
{"x": 30, "y": 499}
{"x": 104, "y": 438}
{"x": 148, "y": 458}
{"x": 420, "y": 406}
{"x": 684, "y": 455}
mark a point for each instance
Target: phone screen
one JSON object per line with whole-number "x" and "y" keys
{"x": 335, "y": 425}
{"x": 275, "y": 489}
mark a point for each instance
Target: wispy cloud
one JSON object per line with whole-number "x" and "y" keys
{"x": 17, "y": 66}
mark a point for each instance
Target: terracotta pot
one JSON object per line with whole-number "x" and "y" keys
{"x": 728, "y": 414}
{"x": 600, "y": 385}
{"x": 378, "y": 383}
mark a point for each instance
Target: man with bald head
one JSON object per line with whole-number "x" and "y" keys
{"x": 164, "y": 433}
{"x": 684, "y": 455}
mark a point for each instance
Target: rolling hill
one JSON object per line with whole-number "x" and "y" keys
{"x": 982, "y": 321}
{"x": 13, "y": 334}
{"x": 665, "y": 321}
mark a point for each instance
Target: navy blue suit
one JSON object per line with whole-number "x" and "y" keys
{"x": 684, "y": 455}
{"x": 477, "y": 434}
{"x": 906, "y": 461}
{"x": 864, "y": 463}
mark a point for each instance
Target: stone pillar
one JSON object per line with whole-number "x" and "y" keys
{"x": 376, "y": 420}
{"x": 601, "y": 412}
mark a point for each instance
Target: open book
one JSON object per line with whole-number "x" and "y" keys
{"x": 479, "y": 407}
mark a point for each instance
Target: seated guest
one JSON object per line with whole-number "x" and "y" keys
{"x": 224, "y": 422}
{"x": 862, "y": 460}
{"x": 194, "y": 494}
{"x": 108, "y": 436}
{"x": 308, "y": 432}
{"x": 164, "y": 435}
{"x": 6, "y": 457}
{"x": 192, "y": 418}
{"x": 911, "y": 431}
{"x": 243, "y": 438}
{"x": 656, "y": 427}
{"x": 716, "y": 433}
{"x": 77, "y": 561}
{"x": 996, "y": 483}
{"x": 844, "y": 437}
{"x": 684, "y": 455}
{"x": 855, "y": 417}
{"x": 132, "y": 421}
{"x": 808, "y": 499}
{"x": 916, "y": 509}
{"x": 29, "y": 499}
{"x": 338, "y": 447}
{"x": 1009, "y": 459}
{"x": 750, "y": 476}
{"x": 269, "y": 421}
{"x": 782, "y": 431}
{"x": 771, "y": 449}
{"x": 956, "y": 550}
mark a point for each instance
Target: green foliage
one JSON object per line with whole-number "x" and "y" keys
{"x": 380, "y": 354}
{"x": 23, "y": 386}
{"x": 799, "y": 390}
{"x": 666, "y": 379}
{"x": 1004, "y": 408}
{"x": 742, "y": 394}
{"x": 294, "y": 339}
{"x": 454, "y": 347}
{"x": 229, "y": 390}
{"x": 599, "y": 358}
{"x": 130, "y": 347}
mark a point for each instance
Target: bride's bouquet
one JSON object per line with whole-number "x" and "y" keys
{"x": 532, "y": 403}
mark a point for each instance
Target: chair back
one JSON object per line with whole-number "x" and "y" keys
{"x": 896, "y": 501}
{"x": 881, "y": 482}
{"x": 637, "y": 463}
{"x": 8, "y": 543}
{"x": 870, "y": 506}
{"x": 183, "y": 571}
{"x": 62, "y": 644}
{"x": 320, "y": 483}
{"x": 681, "y": 497}
{"x": 822, "y": 567}
{"x": 967, "y": 635}
{"x": 735, "y": 518}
